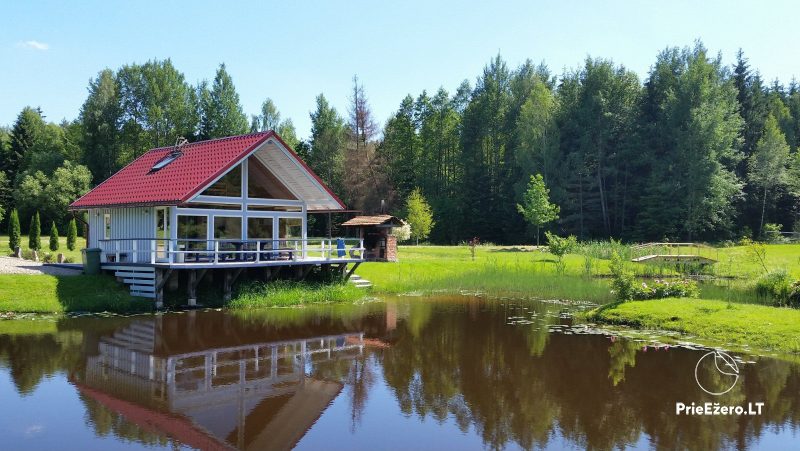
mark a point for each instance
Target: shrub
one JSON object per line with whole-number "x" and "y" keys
{"x": 53, "y": 237}
{"x": 72, "y": 234}
{"x": 27, "y": 254}
{"x": 622, "y": 280}
{"x": 48, "y": 258}
{"x": 772, "y": 233}
{"x": 35, "y": 233}
{"x": 794, "y": 294}
{"x": 660, "y": 289}
{"x": 69, "y": 260}
{"x": 14, "y": 234}
{"x": 774, "y": 286}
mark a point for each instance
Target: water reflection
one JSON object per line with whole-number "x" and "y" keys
{"x": 458, "y": 372}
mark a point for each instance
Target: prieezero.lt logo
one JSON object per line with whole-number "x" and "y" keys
{"x": 725, "y": 366}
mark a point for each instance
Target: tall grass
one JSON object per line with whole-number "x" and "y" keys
{"x": 285, "y": 293}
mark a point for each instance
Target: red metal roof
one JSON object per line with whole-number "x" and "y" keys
{"x": 201, "y": 163}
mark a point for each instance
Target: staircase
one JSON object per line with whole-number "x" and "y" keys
{"x": 360, "y": 282}
{"x": 140, "y": 279}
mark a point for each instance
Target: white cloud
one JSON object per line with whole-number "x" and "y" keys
{"x": 35, "y": 45}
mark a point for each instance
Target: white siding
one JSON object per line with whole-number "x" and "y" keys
{"x": 126, "y": 223}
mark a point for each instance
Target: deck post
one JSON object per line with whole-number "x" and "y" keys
{"x": 195, "y": 276}
{"x": 162, "y": 276}
{"x": 159, "y": 286}
{"x": 192, "y": 287}
{"x": 227, "y": 285}
{"x": 230, "y": 278}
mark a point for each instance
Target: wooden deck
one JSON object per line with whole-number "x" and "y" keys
{"x": 673, "y": 253}
{"x": 676, "y": 259}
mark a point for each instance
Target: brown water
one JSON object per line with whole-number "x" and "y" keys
{"x": 410, "y": 373}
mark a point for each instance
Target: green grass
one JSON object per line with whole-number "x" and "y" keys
{"x": 284, "y": 293}
{"x": 755, "y": 326}
{"x": 59, "y": 294}
{"x": 62, "y": 248}
{"x": 28, "y": 327}
{"x": 498, "y": 270}
{"x": 495, "y": 270}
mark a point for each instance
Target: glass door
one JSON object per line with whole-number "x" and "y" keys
{"x": 162, "y": 233}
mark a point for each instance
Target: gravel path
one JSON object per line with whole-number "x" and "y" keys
{"x": 11, "y": 265}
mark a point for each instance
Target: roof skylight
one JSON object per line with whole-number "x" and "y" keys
{"x": 172, "y": 156}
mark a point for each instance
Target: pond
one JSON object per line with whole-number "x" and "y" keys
{"x": 458, "y": 372}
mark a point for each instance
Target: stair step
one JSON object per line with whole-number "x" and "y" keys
{"x": 135, "y": 275}
{"x": 143, "y": 294}
{"x": 145, "y": 288}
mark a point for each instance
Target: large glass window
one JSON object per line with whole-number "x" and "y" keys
{"x": 227, "y": 228}
{"x": 262, "y": 184}
{"x": 230, "y": 185}
{"x": 192, "y": 232}
{"x": 290, "y": 228}
{"x": 259, "y": 228}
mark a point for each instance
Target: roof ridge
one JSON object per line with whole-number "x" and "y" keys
{"x": 206, "y": 141}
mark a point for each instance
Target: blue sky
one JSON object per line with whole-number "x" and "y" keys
{"x": 292, "y": 51}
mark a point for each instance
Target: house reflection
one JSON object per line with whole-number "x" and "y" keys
{"x": 262, "y": 395}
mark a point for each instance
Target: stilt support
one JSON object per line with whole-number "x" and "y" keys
{"x": 352, "y": 270}
{"x": 230, "y": 278}
{"x": 195, "y": 276}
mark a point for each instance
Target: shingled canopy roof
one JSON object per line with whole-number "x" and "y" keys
{"x": 201, "y": 163}
{"x": 372, "y": 221}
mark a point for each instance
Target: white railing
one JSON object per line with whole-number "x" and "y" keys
{"x": 229, "y": 251}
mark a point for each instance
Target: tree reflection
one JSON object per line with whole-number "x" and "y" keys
{"x": 465, "y": 362}
{"x": 514, "y": 385}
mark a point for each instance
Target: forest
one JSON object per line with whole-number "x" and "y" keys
{"x": 698, "y": 150}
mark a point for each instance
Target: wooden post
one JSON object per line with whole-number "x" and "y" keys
{"x": 159, "y": 286}
{"x": 227, "y": 285}
{"x": 162, "y": 276}
{"x": 230, "y": 278}
{"x": 192, "y": 287}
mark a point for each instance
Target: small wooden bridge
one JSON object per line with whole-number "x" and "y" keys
{"x": 672, "y": 253}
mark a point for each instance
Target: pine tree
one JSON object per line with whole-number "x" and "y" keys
{"x": 221, "y": 113}
{"x": 53, "y": 237}
{"x": 14, "y": 234}
{"x": 327, "y": 144}
{"x": 100, "y": 119}
{"x": 27, "y": 129}
{"x": 768, "y": 163}
{"x": 35, "y": 233}
{"x": 72, "y": 234}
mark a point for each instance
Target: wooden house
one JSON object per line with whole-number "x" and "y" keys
{"x": 224, "y": 204}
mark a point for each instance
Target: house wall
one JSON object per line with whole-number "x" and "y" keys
{"x": 126, "y": 223}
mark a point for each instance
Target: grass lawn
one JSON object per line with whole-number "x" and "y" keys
{"x": 739, "y": 324}
{"x": 57, "y": 294}
{"x": 495, "y": 270}
{"x": 504, "y": 269}
{"x": 62, "y": 248}
{"x": 735, "y": 261}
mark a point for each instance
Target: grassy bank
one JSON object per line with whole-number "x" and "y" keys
{"x": 283, "y": 293}
{"x": 727, "y": 323}
{"x": 495, "y": 270}
{"x": 58, "y": 294}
